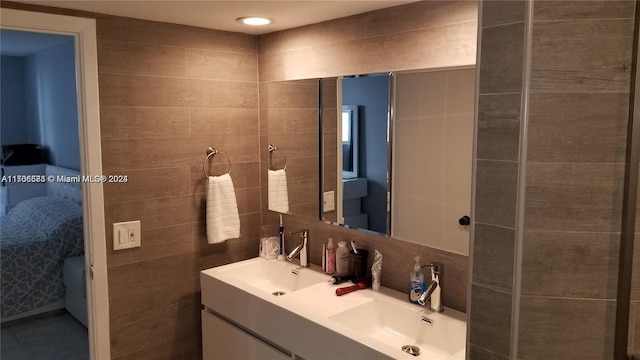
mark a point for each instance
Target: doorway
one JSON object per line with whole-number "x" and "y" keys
{"x": 84, "y": 37}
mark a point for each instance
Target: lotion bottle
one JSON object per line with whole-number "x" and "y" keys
{"x": 331, "y": 257}
{"x": 342, "y": 259}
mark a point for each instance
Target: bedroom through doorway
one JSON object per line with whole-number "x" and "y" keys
{"x": 44, "y": 301}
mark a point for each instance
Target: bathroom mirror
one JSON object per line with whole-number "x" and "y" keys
{"x": 291, "y": 109}
{"x": 413, "y": 180}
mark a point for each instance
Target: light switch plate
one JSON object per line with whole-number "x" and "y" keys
{"x": 126, "y": 235}
{"x": 329, "y": 201}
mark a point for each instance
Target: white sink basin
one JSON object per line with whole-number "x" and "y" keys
{"x": 437, "y": 335}
{"x": 272, "y": 276}
{"x": 313, "y": 323}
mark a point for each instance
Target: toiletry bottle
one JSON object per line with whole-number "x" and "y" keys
{"x": 417, "y": 282}
{"x": 331, "y": 257}
{"x": 342, "y": 259}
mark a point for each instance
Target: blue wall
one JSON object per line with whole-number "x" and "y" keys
{"x": 371, "y": 94}
{"x": 51, "y": 102}
{"x": 13, "y": 126}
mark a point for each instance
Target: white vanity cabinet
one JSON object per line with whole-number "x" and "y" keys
{"x": 223, "y": 340}
{"x": 267, "y": 309}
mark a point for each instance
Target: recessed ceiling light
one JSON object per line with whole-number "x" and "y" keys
{"x": 254, "y": 20}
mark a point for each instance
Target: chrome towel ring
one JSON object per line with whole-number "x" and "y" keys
{"x": 274, "y": 148}
{"x": 211, "y": 152}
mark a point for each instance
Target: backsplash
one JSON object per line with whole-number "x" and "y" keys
{"x": 397, "y": 255}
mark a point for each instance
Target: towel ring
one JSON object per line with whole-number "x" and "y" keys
{"x": 211, "y": 152}
{"x": 274, "y": 148}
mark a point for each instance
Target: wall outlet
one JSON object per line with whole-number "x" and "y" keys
{"x": 328, "y": 201}
{"x": 126, "y": 235}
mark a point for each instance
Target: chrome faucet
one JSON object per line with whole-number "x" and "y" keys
{"x": 302, "y": 249}
{"x": 434, "y": 289}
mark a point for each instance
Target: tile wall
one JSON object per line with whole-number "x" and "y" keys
{"x": 497, "y": 148}
{"x": 576, "y": 136}
{"x": 167, "y": 92}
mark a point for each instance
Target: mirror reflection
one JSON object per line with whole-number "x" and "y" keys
{"x": 292, "y": 110}
{"x": 362, "y": 203}
{"x": 407, "y": 176}
{"x": 349, "y": 141}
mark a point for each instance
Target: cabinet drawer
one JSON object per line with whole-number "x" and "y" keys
{"x": 222, "y": 340}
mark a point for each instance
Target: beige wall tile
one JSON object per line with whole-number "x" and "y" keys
{"x": 154, "y": 213}
{"x": 158, "y": 33}
{"x": 573, "y": 197}
{"x": 185, "y": 347}
{"x": 151, "y": 275}
{"x": 124, "y": 122}
{"x": 567, "y": 330}
{"x": 578, "y": 127}
{"x": 478, "y": 353}
{"x": 501, "y": 12}
{"x": 225, "y": 121}
{"x": 502, "y": 59}
{"x": 176, "y": 92}
{"x": 173, "y": 323}
{"x": 120, "y": 155}
{"x": 417, "y": 49}
{"x": 126, "y": 90}
{"x": 420, "y": 15}
{"x": 576, "y": 261}
{"x": 635, "y": 331}
{"x": 490, "y": 319}
{"x": 635, "y": 275}
{"x": 565, "y": 10}
{"x": 127, "y": 57}
{"x": 498, "y": 127}
{"x": 496, "y": 192}
{"x": 158, "y": 242}
{"x": 147, "y": 184}
{"x": 315, "y": 35}
{"x": 223, "y": 94}
{"x": 127, "y": 309}
{"x": 581, "y": 56}
{"x": 220, "y": 65}
{"x": 494, "y": 256}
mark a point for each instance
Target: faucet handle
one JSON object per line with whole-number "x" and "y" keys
{"x": 436, "y": 268}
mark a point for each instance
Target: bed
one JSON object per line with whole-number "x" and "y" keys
{"x": 36, "y": 237}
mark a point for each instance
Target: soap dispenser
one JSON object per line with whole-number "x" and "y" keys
{"x": 416, "y": 288}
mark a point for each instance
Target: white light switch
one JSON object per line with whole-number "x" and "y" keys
{"x": 126, "y": 235}
{"x": 328, "y": 201}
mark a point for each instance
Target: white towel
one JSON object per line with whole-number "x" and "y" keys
{"x": 223, "y": 222}
{"x": 278, "y": 193}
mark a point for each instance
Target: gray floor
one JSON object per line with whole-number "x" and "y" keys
{"x": 58, "y": 337}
